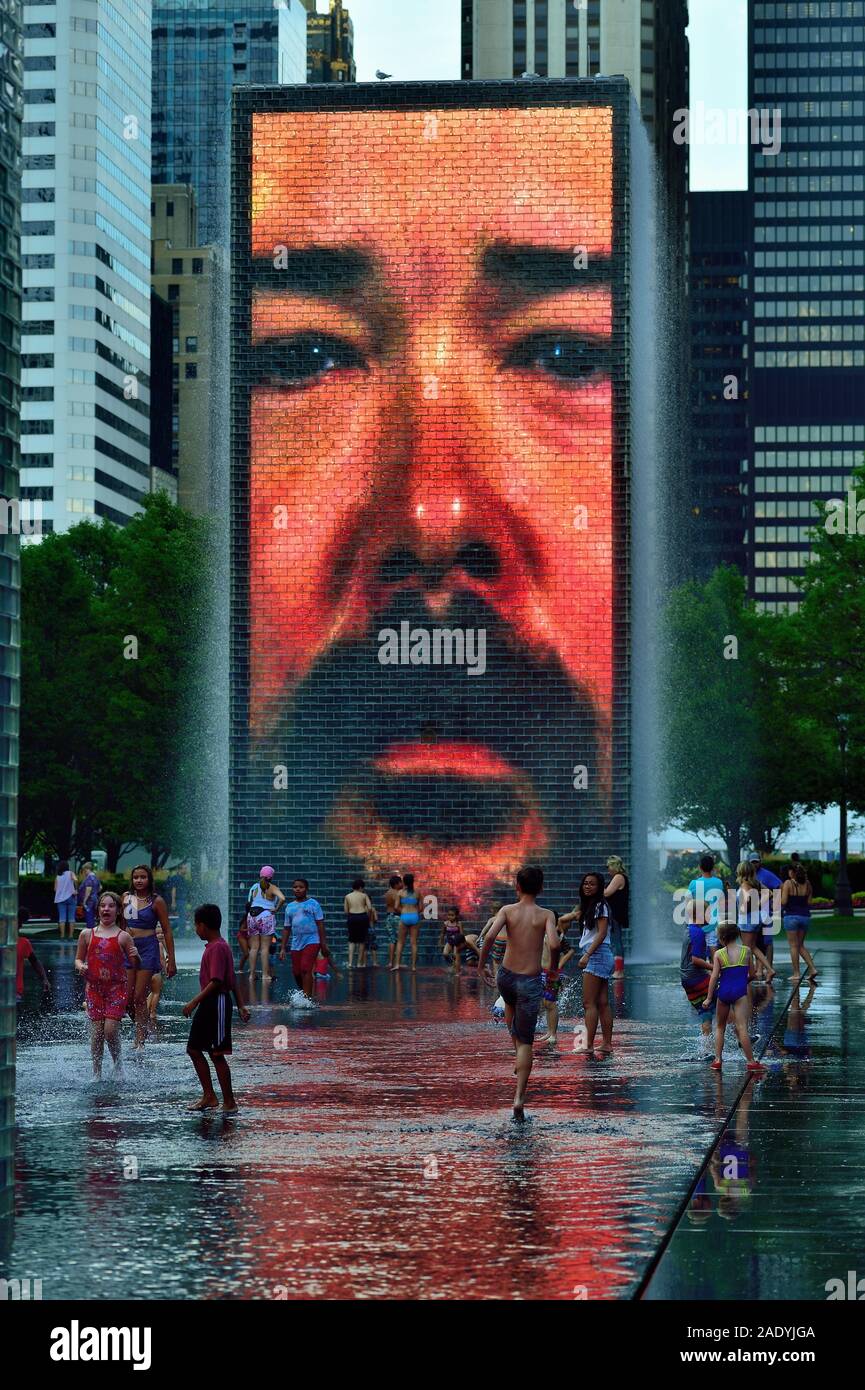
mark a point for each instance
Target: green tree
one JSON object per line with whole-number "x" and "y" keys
{"x": 723, "y": 716}
{"x": 825, "y": 668}
{"x": 114, "y": 674}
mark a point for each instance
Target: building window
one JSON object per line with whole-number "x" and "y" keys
{"x": 177, "y": 265}
{"x": 173, "y": 291}
{"x": 197, "y": 265}
{"x": 191, "y": 371}
{"x": 191, "y": 344}
{"x": 169, "y": 208}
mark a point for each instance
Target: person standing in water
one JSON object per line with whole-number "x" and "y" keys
{"x": 105, "y": 953}
{"x": 409, "y": 921}
{"x": 596, "y": 961}
{"x": 519, "y": 977}
{"x": 617, "y": 894}
{"x": 796, "y": 915}
{"x": 65, "y": 898}
{"x": 264, "y": 901}
{"x": 304, "y": 918}
{"x": 359, "y": 916}
{"x": 391, "y": 921}
{"x": 732, "y": 972}
{"x": 143, "y": 911}
{"x": 210, "y": 1034}
{"x": 88, "y": 892}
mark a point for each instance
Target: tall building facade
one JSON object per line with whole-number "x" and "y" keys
{"x": 806, "y": 63}
{"x": 330, "y": 44}
{"x": 721, "y": 285}
{"x": 11, "y": 108}
{"x": 186, "y": 276}
{"x": 201, "y": 49}
{"x": 86, "y": 260}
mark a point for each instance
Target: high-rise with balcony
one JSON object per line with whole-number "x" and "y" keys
{"x": 807, "y": 64}
{"x": 201, "y": 49}
{"x": 85, "y": 437}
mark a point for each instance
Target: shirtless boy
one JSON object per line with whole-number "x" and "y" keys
{"x": 519, "y": 977}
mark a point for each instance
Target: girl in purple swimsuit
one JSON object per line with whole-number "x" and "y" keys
{"x": 144, "y": 911}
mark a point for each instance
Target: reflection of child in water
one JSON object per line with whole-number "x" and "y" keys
{"x": 732, "y": 1166}
{"x": 700, "y": 1205}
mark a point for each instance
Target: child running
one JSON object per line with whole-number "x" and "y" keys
{"x": 102, "y": 958}
{"x": 210, "y": 1034}
{"x": 519, "y": 977}
{"x": 730, "y": 978}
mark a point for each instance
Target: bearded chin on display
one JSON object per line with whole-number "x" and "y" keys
{"x": 425, "y": 768}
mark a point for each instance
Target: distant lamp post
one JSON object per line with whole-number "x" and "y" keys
{"x": 843, "y": 896}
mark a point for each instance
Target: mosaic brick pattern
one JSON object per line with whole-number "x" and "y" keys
{"x": 430, "y": 486}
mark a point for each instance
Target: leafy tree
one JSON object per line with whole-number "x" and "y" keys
{"x": 825, "y": 666}
{"x": 114, "y": 684}
{"x": 724, "y": 717}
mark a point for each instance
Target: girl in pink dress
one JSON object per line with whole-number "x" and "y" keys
{"x": 101, "y": 958}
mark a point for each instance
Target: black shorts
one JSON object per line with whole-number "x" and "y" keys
{"x": 523, "y": 993}
{"x": 211, "y": 1026}
{"x": 358, "y": 928}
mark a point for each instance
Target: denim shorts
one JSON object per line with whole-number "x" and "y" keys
{"x": 601, "y": 963}
{"x": 66, "y": 910}
{"x": 523, "y": 993}
{"x": 797, "y": 923}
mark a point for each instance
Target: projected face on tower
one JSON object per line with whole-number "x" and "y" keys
{"x": 431, "y": 446}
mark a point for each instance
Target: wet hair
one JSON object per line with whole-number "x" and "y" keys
{"x": 304, "y": 881}
{"x": 530, "y": 880}
{"x": 798, "y": 872}
{"x": 148, "y": 871}
{"x": 707, "y": 863}
{"x": 728, "y": 933}
{"x": 408, "y": 882}
{"x": 455, "y": 910}
{"x": 589, "y": 901}
{"x": 395, "y": 879}
{"x": 209, "y": 915}
{"x": 63, "y": 866}
{"x": 356, "y": 885}
{"x": 115, "y": 898}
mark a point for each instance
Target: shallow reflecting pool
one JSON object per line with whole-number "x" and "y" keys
{"x": 374, "y": 1155}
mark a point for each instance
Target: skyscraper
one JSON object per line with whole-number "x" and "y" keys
{"x": 807, "y": 64}
{"x": 330, "y": 44}
{"x": 86, "y": 256}
{"x": 188, "y": 277}
{"x": 720, "y": 228}
{"x": 11, "y": 107}
{"x": 201, "y": 48}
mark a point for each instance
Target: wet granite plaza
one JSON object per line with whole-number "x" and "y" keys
{"x": 374, "y": 1155}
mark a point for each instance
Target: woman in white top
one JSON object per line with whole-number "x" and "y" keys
{"x": 65, "y": 898}
{"x": 596, "y": 960}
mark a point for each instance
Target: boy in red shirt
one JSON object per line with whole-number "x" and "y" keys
{"x": 210, "y": 1033}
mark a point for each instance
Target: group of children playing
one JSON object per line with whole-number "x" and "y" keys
{"x": 102, "y": 957}
{"x": 720, "y": 961}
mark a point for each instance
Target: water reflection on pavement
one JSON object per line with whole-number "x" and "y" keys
{"x": 374, "y": 1155}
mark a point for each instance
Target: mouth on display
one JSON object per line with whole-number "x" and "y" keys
{"x": 457, "y": 811}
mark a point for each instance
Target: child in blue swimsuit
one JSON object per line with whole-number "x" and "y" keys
{"x": 732, "y": 972}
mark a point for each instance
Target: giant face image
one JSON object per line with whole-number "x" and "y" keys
{"x": 431, "y": 448}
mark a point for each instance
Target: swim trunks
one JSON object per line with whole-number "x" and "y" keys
{"x": 523, "y": 993}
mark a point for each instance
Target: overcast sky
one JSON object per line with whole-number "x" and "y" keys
{"x": 415, "y": 39}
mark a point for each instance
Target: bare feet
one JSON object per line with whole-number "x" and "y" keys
{"x": 519, "y": 1113}
{"x": 206, "y": 1103}
{"x": 603, "y": 1051}
{"x": 229, "y": 1107}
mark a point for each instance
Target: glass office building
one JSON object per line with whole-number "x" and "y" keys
{"x": 11, "y": 108}
{"x": 720, "y": 226}
{"x": 201, "y": 49}
{"x": 806, "y": 72}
